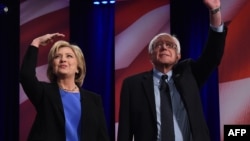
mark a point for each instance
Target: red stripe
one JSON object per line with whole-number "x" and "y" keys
{"x": 235, "y": 62}
{"x": 128, "y": 12}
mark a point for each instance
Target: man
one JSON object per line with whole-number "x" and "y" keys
{"x": 140, "y": 103}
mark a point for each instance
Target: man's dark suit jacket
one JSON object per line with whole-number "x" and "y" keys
{"x": 49, "y": 124}
{"x": 137, "y": 115}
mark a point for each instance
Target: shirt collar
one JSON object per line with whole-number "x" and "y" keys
{"x": 158, "y": 74}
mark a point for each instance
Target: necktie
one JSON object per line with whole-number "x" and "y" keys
{"x": 167, "y": 127}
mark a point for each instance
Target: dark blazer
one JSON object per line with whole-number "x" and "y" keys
{"x": 49, "y": 124}
{"x": 137, "y": 116}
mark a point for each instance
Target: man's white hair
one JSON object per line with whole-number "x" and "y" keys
{"x": 152, "y": 42}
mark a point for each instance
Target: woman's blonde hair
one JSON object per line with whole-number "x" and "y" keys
{"x": 81, "y": 65}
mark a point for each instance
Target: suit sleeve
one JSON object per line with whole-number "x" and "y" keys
{"x": 31, "y": 86}
{"x": 103, "y": 134}
{"x": 124, "y": 128}
{"x": 211, "y": 56}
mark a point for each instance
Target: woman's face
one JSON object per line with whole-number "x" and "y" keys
{"x": 65, "y": 63}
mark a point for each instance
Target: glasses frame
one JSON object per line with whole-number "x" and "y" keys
{"x": 169, "y": 44}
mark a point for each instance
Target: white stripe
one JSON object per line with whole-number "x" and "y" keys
{"x": 31, "y": 9}
{"x": 234, "y": 102}
{"x": 130, "y": 42}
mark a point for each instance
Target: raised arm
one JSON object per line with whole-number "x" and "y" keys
{"x": 31, "y": 85}
{"x": 214, "y": 7}
{"x": 45, "y": 39}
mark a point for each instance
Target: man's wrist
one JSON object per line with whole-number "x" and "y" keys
{"x": 214, "y": 11}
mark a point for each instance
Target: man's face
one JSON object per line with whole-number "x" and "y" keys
{"x": 164, "y": 52}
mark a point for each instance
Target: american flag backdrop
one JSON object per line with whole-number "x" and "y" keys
{"x": 137, "y": 21}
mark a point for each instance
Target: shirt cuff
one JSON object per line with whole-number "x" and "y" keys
{"x": 217, "y": 28}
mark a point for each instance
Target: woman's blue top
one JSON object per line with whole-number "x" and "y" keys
{"x": 72, "y": 110}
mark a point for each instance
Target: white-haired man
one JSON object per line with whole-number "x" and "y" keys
{"x": 140, "y": 116}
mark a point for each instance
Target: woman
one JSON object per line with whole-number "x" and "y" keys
{"x": 65, "y": 111}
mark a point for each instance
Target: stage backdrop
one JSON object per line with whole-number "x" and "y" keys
{"x": 134, "y": 29}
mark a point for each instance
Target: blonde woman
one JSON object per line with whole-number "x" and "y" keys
{"x": 65, "y": 111}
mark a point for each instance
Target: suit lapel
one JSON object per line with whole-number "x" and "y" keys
{"x": 149, "y": 91}
{"x": 84, "y": 112}
{"x": 57, "y": 97}
{"x": 56, "y": 101}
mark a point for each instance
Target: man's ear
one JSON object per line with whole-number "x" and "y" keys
{"x": 178, "y": 57}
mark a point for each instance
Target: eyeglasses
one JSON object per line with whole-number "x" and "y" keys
{"x": 160, "y": 44}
